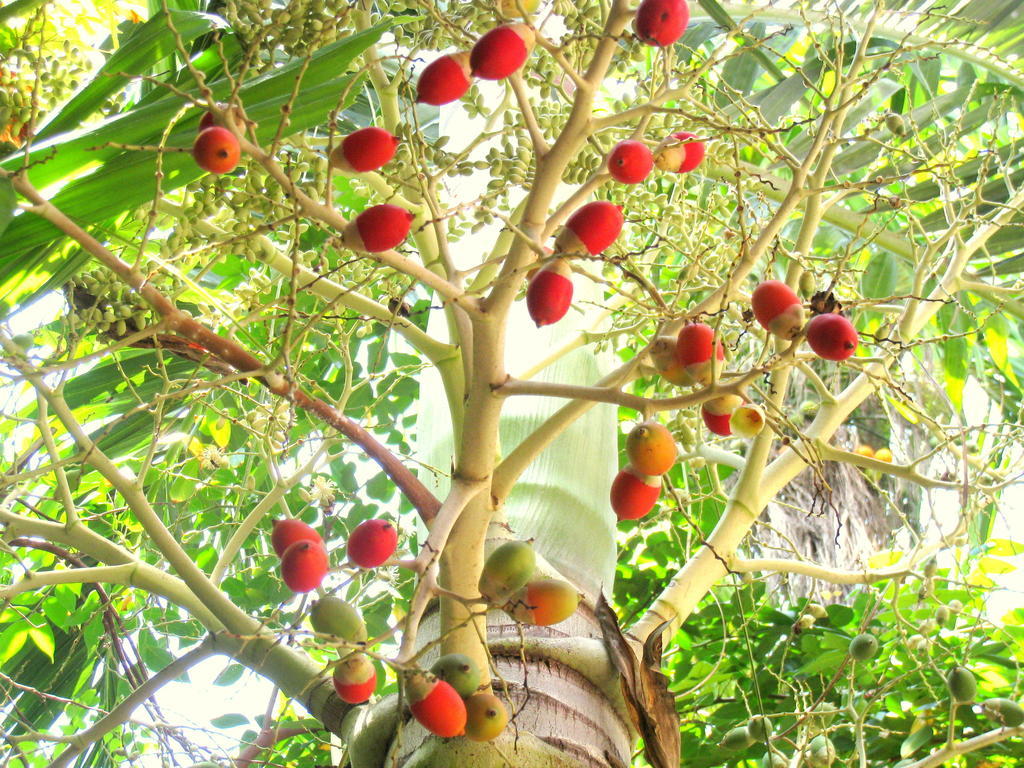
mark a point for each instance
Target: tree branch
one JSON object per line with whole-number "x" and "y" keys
{"x": 816, "y": 571}
{"x": 123, "y": 711}
{"x": 233, "y": 354}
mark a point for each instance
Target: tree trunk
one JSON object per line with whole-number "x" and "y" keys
{"x": 565, "y": 710}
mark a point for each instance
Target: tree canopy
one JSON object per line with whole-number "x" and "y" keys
{"x": 195, "y": 345}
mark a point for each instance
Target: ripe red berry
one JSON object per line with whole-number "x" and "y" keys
{"x": 372, "y": 543}
{"x": 719, "y": 423}
{"x": 206, "y": 121}
{"x": 777, "y": 308}
{"x": 832, "y": 336}
{"x": 364, "y": 150}
{"x": 549, "y": 294}
{"x": 694, "y": 347}
{"x": 630, "y": 162}
{"x": 661, "y": 22}
{"x": 304, "y": 565}
{"x": 633, "y": 494}
{"x": 501, "y": 51}
{"x": 680, "y": 153}
{"x": 436, "y": 706}
{"x": 378, "y": 228}
{"x": 288, "y": 530}
{"x": 444, "y": 80}
{"x": 355, "y": 678}
{"x": 717, "y": 413}
{"x": 591, "y": 228}
{"x": 216, "y": 150}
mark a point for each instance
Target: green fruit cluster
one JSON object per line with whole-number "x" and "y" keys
{"x": 101, "y": 303}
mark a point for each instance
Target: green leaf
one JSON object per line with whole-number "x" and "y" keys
{"x": 229, "y": 721}
{"x": 8, "y": 202}
{"x": 954, "y": 360}
{"x": 879, "y": 279}
{"x": 19, "y": 8}
{"x": 121, "y": 181}
{"x": 42, "y": 637}
{"x": 154, "y": 654}
{"x": 231, "y": 675}
{"x": 11, "y": 641}
{"x": 148, "y": 43}
{"x": 915, "y": 741}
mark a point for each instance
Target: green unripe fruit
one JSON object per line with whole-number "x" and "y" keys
{"x": 1006, "y": 712}
{"x": 962, "y": 685}
{"x": 807, "y": 284}
{"x": 333, "y": 616}
{"x": 774, "y": 759}
{"x": 736, "y": 739}
{"x": 942, "y": 614}
{"x": 895, "y": 124}
{"x": 863, "y": 647}
{"x": 760, "y": 728}
{"x": 816, "y": 610}
{"x": 821, "y": 752}
{"x": 821, "y": 717}
{"x": 459, "y": 672}
{"x": 809, "y": 408}
{"x": 931, "y": 568}
{"x": 507, "y": 570}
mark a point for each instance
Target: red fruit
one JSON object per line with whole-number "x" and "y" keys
{"x": 501, "y": 51}
{"x": 661, "y": 22}
{"x": 549, "y": 295}
{"x": 216, "y": 150}
{"x": 444, "y": 80}
{"x": 355, "y": 678}
{"x": 289, "y": 530}
{"x": 778, "y": 309}
{"x": 629, "y": 162}
{"x": 591, "y": 228}
{"x": 717, "y": 422}
{"x": 379, "y": 228}
{"x": 304, "y": 565}
{"x": 372, "y": 543}
{"x": 680, "y": 153}
{"x": 694, "y": 348}
{"x": 634, "y": 494}
{"x": 436, "y": 706}
{"x": 206, "y": 121}
{"x": 832, "y": 336}
{"x": 365, "y": 150}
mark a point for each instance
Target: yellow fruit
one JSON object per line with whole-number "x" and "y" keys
{"x": 486, "y": 717}
{"x": 520, "y": 8}
{"x": 651, "y": 449}
{"x": 865, "y": 450}
{"x": 884, "y": 454}
{"x": 544, "y": 602}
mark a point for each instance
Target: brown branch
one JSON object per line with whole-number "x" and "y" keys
{"x": 268, "y": 737}
{"x": 235, "y": 355}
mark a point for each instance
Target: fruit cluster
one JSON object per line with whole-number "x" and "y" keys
{"x": 689, "y": 360}
{"x": 509, "y": 580}
{"x": 593, "y": 227}
{"x": 496, "y": 55}
{"x": 378, "y": 228}
{"x": 447, "y": 700}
